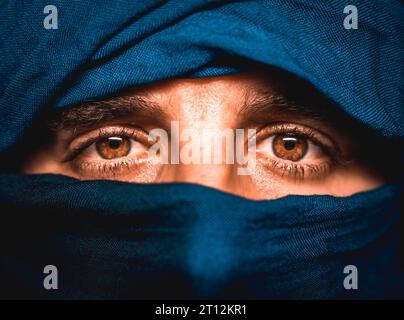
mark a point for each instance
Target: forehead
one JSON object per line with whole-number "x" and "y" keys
{"x": 204, "y": 86}
{"x": 241, "y": 99}
{"x": 198, "y": 91}
{"x": 209, "y": 99}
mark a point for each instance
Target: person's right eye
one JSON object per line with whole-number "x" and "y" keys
{"x": 109, "y": 152}
{"x": 114, "y": 147}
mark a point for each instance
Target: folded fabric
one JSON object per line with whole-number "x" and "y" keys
{"x": 119, "y": 240}
{"x": 102, "y": 47}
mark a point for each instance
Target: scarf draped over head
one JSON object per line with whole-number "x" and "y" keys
{"x": 113, "y": 239}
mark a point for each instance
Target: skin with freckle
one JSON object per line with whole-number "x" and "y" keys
{"x": 215, "y": 103}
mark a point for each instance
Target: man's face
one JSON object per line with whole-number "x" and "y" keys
{"x": 301, "y": 147}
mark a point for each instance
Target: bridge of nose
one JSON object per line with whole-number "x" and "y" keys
{"x": 218, "y": 176}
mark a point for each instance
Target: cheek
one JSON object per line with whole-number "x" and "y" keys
{"x": 145, "y": 173}
{"x": 355, "y": 178}
{"x": 42, "y": 161}
{"x": 45, "y": 161}
{"x": 341, "y": 182}
{"x": 266, "y": 184}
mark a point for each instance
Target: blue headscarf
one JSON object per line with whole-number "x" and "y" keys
{"x": 114, "y": 239}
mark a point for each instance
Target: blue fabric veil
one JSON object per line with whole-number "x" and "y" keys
{"x": 114, "y": 239}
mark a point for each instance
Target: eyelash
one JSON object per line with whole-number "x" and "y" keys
{"x": 299, "y": 171}
{"x": 109, "y": 167}
{"x": 295, "y": 170}
{"x": 106, "y": 166}
{"x": 102, "y": 133}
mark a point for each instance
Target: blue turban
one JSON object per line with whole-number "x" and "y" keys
{"x": 115, "y": 239}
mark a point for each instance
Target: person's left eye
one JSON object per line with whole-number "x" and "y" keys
{"x": 295, "y": 151}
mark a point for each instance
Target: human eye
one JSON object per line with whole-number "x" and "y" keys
{"x": 296, "y": 151}
{"x": 110, "y": 152}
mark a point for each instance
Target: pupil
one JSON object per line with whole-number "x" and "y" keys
{"x": 114, "y": 143}
{"x": 289, "y": 144}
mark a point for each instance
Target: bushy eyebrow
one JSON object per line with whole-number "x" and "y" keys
{"x": 90, "y": 113}
{"x": 258, "y": 107}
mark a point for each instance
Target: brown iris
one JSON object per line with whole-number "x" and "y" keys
{"x": 291, "y": 148}
{"x": 113, "y": 147}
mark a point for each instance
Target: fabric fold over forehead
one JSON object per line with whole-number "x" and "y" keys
{"x": 103, "y": 47}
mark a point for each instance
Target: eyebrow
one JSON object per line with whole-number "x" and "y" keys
{"x": 258, "y": 108}
{"x": 90, "y": 113}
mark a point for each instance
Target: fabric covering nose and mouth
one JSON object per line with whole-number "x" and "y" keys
{"x": 119, "y": 240}
{"x": 112, "y": 239}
